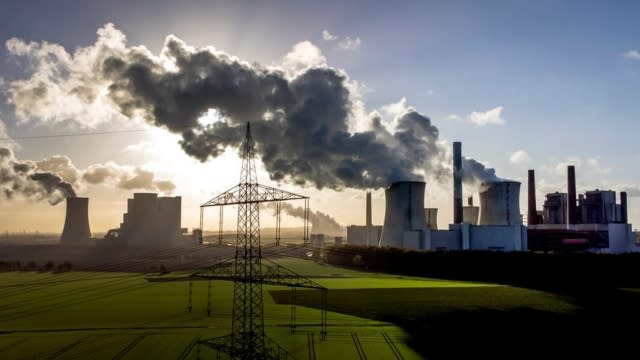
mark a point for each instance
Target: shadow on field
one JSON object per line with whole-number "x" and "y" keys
{"x": 496, "y": 322}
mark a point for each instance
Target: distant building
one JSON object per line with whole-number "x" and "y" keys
{"x": 363, "y": 235}
{"x": 151, "y": 220}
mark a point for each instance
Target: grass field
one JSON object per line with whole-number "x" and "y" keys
{"x": 122, "y": 316}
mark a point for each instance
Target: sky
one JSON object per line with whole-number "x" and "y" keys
{"x": 524, "y": 85}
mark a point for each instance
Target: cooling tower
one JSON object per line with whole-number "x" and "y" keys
{"x": 404, "y": 218}
{"x": 500, "y": 203}
{"x": 76, "y": 224}
{"x": 431, "y": 215}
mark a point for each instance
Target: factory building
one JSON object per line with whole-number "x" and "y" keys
{"x": 495, "y": 225}
{"x": 367, "y": 235}
{"x": 76, "y": 223}
{"x": 151, "y": 220}
{"x": 431, "y": 215}
{"x": 470, "y": 213}
{"x": 593, "y": 222}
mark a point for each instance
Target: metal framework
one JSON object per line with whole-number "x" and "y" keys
{"x": 262, "y": 194}
{"x": 248, "y": 269}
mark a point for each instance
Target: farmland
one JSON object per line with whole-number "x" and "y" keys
{"x": 77, "y": 315}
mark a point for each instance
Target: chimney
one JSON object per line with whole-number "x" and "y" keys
{"x": 368, "y": 222}
{"x": 571, "y": 195}
{"x": 76, "y": 224}
{"x": 532, "y": 214}
{"x": 623, "y": 207}
{"x": 457, "y": 182}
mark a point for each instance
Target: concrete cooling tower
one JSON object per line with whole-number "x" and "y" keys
{"x": 500, "y": 203}
{"x": 76, "y": 224}
{"x": 404, "y": 218}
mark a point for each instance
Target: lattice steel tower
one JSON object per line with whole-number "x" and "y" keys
{"x": 249, "y": 270}
{"x": 247, "y": 330}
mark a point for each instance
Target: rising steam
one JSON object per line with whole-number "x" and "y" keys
{"x": 55, "y": 178}
{"x": 22, "y": 179}
{"x": 302, "y": 112}
{"x": 321, "y": 223}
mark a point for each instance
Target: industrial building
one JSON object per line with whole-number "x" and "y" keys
{"x": 495, "y": 225}
{"x": 367, "y": 235}
{"x": 76, "y": 223}
{"x": 592, "y": 222}
{"x": 151, "y": 221}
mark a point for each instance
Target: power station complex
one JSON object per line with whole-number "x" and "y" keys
{"x": 593, "y": 222}
{"x": 588, "y": 222}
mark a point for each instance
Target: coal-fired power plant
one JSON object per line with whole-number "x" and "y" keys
{"x": 495, "y": 225}
{"x": 591, "y": 222}
{"x": 404, "y": 217}
{"x": 76, "y": 224}
{"x": 500, "y": 203}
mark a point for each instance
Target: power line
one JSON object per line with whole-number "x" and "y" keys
{"x": 72, "y": 135}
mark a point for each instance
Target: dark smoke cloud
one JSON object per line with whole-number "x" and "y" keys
{"x": 300, "y": 116}
{"x": 22, "y": 179}
{"x": 301, "y": 123}
{"x": 474, "y": 172}
{"x": 55, "y": 178}
{"x": 321, "y": 223}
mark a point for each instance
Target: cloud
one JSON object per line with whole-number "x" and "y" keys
{"x": 395, "y": 109}
{"x": 519, "y": 157}
{"x": 632, "y": 55}
{"x": 303, "y": 56}
{"x": 23, "y": 179}
{"x": 125, "y": 177}
{"x": 489, "y": 117}
{"x": 302, "y": 112}
{"x": 327, "y": 36}
{"x": 632, "y": 190}
{"x": 561, "y": 167}
{"x": 60, "y": 165}
{"x": 5, "y": 139}
{"x": 348, "y": 43}
{"x": 56, "y": 177}
{"x": 65, "y": 86}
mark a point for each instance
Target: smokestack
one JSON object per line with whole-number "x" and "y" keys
{"x": 571, "y": 195}
{"x": 76, "y": 224}
{"x": 368, "y": 222}
{"x": 457, "y": 182}
{"x": 623, "y": 207}
{"x": 532, "y": 214}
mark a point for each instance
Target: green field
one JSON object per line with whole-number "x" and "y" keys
{"x": 122, "y": 316}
